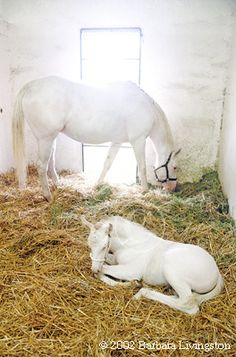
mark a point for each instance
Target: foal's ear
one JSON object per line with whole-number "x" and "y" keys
{"x": 177, "y": 152}
{"x": 85, "y": 222}
{"x": 98, "y": 225}
{"x": 109, "y": 229}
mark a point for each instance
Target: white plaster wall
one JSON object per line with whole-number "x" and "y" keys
{"x": 187, "y": 76}
{"x": 40, "y": 44}
{"x": 227, "y": 162}
{"x": 185, "y": 54}
{"x": 6, "y": 159}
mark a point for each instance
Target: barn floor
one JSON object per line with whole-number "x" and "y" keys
{"x": 51, "y": 305}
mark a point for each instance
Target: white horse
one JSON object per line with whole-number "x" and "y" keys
{"x": 127, "y": 251}
{"x": 116, "y": 113}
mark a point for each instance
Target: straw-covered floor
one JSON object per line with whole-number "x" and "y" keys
{"x": 52, "y": 305}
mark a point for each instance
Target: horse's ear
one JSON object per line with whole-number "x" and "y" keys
{"x": 177, "y": 152}
{"x": 85, "y": 222}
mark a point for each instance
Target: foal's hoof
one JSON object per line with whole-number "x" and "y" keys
{"x": 137, "y": 283}
{"x": 192, "y": 311}
{"x": 138, "y": 295}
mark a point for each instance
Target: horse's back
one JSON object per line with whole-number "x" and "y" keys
{"x": 88, "y": 113}
{"x": 47, "y": 88}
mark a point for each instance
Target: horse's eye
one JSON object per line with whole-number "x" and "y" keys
{"x": 175, "y": 168}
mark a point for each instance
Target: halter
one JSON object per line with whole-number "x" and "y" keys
{"x": 106, "y": 252}
{"x": 168, "y": 178}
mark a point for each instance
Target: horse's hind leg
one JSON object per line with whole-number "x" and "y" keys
{"x": 44, "y": 152}
{"x": 51, "y": 165}
{"x": 114, "y": 148}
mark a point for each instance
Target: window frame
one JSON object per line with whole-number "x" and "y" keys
{"x": 111, "y": 29}
{"x": 82, "y": 59}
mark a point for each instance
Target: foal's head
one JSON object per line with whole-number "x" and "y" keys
{"x": 98, "y": 242}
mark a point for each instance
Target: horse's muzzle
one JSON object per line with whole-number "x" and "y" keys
{"x": 169, "y": 186}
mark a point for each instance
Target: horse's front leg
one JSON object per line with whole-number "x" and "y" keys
{"x": 51, "y": 166}
{"x": 139, "y": 150}
{"x": 113, "y": 150}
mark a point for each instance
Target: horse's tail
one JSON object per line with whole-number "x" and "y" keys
{"x": 18, "y": 140}
{"x": 214, "y": 292}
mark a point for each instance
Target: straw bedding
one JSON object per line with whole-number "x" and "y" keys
{"x": 51, "y": 305}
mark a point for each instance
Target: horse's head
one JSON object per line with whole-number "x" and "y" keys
{"x": 98, "y": 242}
{"x": 166, "y": 173}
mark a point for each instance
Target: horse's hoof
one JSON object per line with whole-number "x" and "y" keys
{"x": 54, "y": 187}
{"x": 48, "y": 197}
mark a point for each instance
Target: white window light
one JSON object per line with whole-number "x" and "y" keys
{"x": 107, "y": 55}
{"x": 110, "y": 54}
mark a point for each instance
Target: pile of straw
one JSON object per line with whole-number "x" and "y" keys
{"x": 51, "y": 305}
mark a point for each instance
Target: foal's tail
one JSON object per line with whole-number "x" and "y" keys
{"x": 216, "y": 291}
{"x": 18, "y": 140}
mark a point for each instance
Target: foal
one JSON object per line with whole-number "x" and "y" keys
{"x": 127, "y": 251}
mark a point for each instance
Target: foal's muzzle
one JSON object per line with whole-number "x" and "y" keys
{"x": 96, "y": 264}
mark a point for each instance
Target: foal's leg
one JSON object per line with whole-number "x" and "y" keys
{"x": 185, "y": 301}
{"x": 44, "y": 152}
{"x": 113, "y": 150}
{"x": 139, "y": 150}
{"x": 122, "y": 272}
{"x": 173, "y": 301}
{"x": 111, "y": 282}
{"x": 51, "y": 165}
{"x": 110, "y": 259}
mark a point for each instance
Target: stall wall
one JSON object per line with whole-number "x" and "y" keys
{"x": 227, "y": 162}
{"x": 185, "y": 55}
{"x": 6, "y": 160}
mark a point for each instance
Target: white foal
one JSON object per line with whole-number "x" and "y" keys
{"x": 127, "y": 251}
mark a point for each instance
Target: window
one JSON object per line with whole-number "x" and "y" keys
{"x": 106, "y": 55}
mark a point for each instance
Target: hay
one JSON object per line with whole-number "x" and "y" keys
{"x": 51, "y": 305}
